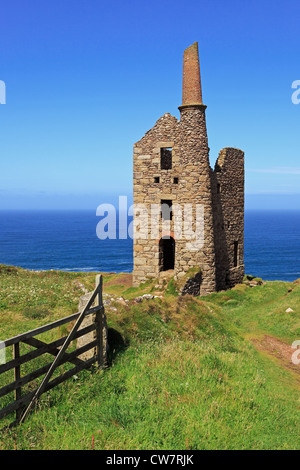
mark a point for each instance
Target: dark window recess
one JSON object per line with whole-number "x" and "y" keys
{"x": 236, "y": 254}
{"x": 166, "y": 253}
{"x": 175, "y": 180}
{"x": 166, "y": 209}
{"x": 218, "y": 188}
{"x": 166, "y": 158}
{"x": 156, "y": 179}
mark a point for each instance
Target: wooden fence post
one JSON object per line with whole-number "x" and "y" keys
{"x": 17, "y": 376}
{"x": 99, "y": 321}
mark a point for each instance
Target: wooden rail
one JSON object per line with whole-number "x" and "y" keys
{"x": 57, "y": 348}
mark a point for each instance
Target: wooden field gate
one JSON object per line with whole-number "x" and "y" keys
{"x": 21, "y": 405}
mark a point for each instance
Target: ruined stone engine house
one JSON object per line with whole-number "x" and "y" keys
{"x": 171, "y": 167}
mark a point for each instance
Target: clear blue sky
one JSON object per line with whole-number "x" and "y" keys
{"x": 85, "y": 79}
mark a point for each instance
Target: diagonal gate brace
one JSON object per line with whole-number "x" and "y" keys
{"x": 62, "y": 351}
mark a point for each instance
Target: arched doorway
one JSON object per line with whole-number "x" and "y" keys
{"x": 166, "y": 253}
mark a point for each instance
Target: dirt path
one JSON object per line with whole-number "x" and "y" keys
{"x": 278, "y": 349}
{"x": 124, "y": 279}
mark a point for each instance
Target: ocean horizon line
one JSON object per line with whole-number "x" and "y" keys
{"x": 65, "y": 240}
{"x": 117, "y": 211}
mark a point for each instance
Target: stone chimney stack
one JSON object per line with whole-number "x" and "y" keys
{"x": 192, "y": 110}
{"x": 191, "y": 83}
{"x": 195, "y": 160}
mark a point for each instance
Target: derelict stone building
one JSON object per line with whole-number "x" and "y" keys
{"x": 188, "y": 217}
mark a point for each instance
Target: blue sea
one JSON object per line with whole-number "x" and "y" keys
{"x": 67, "y": 240}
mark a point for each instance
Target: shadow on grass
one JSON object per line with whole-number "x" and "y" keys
{"x": 116, "y": 344}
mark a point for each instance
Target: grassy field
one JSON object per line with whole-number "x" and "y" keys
{"x": 196, "y": 373}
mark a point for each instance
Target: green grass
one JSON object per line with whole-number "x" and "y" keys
{"x": 189, "y": 378}
{"x": 262, "y": 309}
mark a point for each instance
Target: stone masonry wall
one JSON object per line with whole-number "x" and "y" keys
{"x": 228, "y": 206}
{"x": 196, "y": 189}
{"x": 190, "y": 164}
{"x": 146, "y": 166}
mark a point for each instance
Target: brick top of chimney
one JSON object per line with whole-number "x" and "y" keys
{"x": 191, "y": 83}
